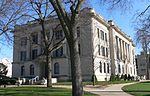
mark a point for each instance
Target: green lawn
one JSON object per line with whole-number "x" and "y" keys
{"x": 97, "y": 83}
{"x": 37, "y": 91}
{"x": 139, "y": 89}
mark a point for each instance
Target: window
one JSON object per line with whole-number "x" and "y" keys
{"x": 122, "y": 68}
{"x": 23, "y": 41}
{"x": 56, "y": 68}
{"x": 106, "y": 37}
{"x": 100, "y": 67}
{"x": 107, "y": 67}
{"x": 31, "y": 69}
{"x": 131, "y": 70}
{"x": 104, "y": 68}
{"x": 120, "y": 48}
{"x": 22, "y": 70}
{"x": 103, "y": 50}
{"x": 106, "y": 52}
{"x": 23, "y": 56}
{"x": 102, "y": 35}
{"x": 58, "y": 34}
{"x": 58, "y": 52}
{"x": 99, "y": 50}
{"x": 78, "y": 31}
{"x": 119, "y": 69}
{"x": 79, "y": 48}
{"x": 117, "y": 48}
{"x": 35, "y": 38}
{"x": 98, "y": 32}
{"x": 34, "y": 53}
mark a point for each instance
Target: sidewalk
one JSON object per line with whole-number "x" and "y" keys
{"x": 110, "y": 90}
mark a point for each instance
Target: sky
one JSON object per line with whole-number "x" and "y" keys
{"x": 122, "y": 19}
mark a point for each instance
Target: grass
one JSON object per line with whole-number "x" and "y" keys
{"x": 37, "y": 91}
{"x": 103, "y": 83}
{"x": 138, "y": 89}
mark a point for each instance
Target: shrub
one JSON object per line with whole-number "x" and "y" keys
{"x": 125, "y": 77}
{"x": 130, "y": 77}
{"x": 122, "y": 77}
{"x": 7, "y": 81}
{"x": 117, "y": 78}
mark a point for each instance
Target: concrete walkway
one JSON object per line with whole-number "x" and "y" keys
{"x": 110, "y": 90}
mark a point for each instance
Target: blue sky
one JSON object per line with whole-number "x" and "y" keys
{"x": 123, "y": 19}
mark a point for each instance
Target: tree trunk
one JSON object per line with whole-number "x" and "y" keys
{"x": 49, "y": 70}
{"x": 77, "y": 88}
{"x": 147, "y": 63}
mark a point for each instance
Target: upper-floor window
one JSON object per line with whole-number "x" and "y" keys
{"x": 78, "y": 31}
{"x": 106, "y": 37}
{"x": 103, "y": 50}
{"x": 23, "y": 41}
{"x": 106, "y": 52}
{"x": 102, "y": 35}
{"x": 117, "y": 48}
{"x": 58, "y": 52}
{"x": 79, "y": 48}
{"x": 99, "y": 50}
{"x": 23, "y": 55}
{"x": 35, "y": 38}
{"x": 98, "y": 32}
{"x": 56, "y": 68}
{"x": 34, "y": 53}
{"x": 58, "y": 34}
{"x": 31, "y": 69}
{"x": 22, "y": 70}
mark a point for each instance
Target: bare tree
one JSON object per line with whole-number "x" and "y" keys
{"x": 3, "y": 69}
{"x": 39, "y": 12}
{"x": 10, "y": 14}
{"x": 69, "y": 23}
{"x": 143, "y": 38}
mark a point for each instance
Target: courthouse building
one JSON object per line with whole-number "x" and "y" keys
{"x": 104, "y": 49}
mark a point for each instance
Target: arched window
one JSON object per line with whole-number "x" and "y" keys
{"x": 100, "y": 67}
{"x": 31, "y": 69}
{"x": 56, "y": 68}
{"x": 22, "y": 70}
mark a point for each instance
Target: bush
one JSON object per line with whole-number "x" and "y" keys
{"x": 122, "y": 77}
{"x": 7, "y": 81}
{"x": 125, "y": 77}
{"x": 129, "y": 77}
{"x": 117, "y": 78}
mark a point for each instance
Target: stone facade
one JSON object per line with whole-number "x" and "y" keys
{"x": 97, "y": 43}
